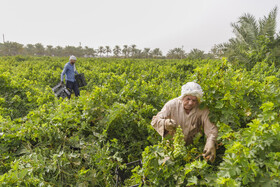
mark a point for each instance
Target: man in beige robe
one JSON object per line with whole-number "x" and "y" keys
{"x": 185, "y": 111}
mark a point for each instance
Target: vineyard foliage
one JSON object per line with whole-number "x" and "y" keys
{"x": 46, "y": 141}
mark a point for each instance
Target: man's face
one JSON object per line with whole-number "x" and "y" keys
{"x": 72, "y": 61}
{"x": 190, "y": 102}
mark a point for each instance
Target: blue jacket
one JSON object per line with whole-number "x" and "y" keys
{"x": 70, "y": 71}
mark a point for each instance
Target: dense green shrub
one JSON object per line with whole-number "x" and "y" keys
{"x": 45, "y": 141}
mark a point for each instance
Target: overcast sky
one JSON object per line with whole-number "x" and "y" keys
{"x": 147, "y": 23}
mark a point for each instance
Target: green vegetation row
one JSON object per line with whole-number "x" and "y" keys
{"x": 46, "y": 141}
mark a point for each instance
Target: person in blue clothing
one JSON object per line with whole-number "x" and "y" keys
{"x": 69, "y": 70}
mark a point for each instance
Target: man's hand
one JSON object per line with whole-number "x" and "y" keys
{"x": 210, "y": 151}
{"x": 170, "y": 125}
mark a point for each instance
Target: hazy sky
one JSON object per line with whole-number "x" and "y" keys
{"x": 147, "y": 23}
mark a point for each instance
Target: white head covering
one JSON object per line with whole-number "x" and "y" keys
{"x": 72, "y": 57}
{"x": 193, "y": 89}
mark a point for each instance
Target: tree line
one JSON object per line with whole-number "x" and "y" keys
{"x": 254, "y": 41}
{"x": 125, "y": 51}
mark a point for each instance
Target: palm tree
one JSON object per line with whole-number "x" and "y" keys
{"x": 39, "y": 49}
{"x": 101, "y": 51}
{"x": 89, "y": 52}
{"x": 30, "y": 49}
{"x": 117, "y": 51}
{"x": 133, "y": 50}
{"x": 170, "y": 54}
{"x": 156, "y": 53}
{"x": 49, "y": 50}
{"x": 92, "y": 52}
{"x": 11, "y": 48}
{"x": 196, "y": 54}
{"x": 125, "y": 51}
{"x": 146, "y": 52}
{"x": 86, "y": 51}
{"x": 79, "y": 51}
{"x": 217, "y": 51}
{"x": 108, "y": 50}
{"x": 176, "y": 53}
{"x": 180, "y": 52}
{"x": 250, "y": 35}
{"x": 72, "y": 50}
{"x": 58, "y": 51}
{"x": 138, "y": 53}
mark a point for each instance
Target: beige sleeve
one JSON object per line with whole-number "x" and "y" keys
{"x": 210, "y": 129}
{"x": 158, "y": 121}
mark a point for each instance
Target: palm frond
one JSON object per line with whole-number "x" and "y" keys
{"x": 268, "y": 24}
{"x": 246, "y": 29}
